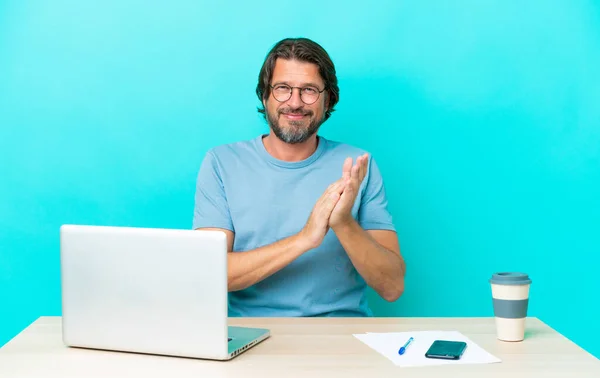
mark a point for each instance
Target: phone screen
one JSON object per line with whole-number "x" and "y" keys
{"x": 445, "y": 349}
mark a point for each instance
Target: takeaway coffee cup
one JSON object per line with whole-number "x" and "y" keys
{"x": 510, "y": 294}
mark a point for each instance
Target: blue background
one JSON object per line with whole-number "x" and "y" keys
{"x": 483, "y": 116}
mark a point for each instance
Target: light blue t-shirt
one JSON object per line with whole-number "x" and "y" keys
{"x": 242, "y": 188}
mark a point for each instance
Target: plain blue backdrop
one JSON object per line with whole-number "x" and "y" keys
{"x": 483, "y": 116}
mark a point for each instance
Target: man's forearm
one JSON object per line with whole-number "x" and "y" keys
{"x": 381, "y": 268}
{"x": 249, "y": 267}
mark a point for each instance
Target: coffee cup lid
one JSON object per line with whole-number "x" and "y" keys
{"x": 510, "y": 278}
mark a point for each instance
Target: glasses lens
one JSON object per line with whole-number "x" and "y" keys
{"x": 309, "y": 95}
{"x": 282, "y": 92}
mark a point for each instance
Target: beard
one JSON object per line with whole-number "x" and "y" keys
{"x": 296, "y": 132}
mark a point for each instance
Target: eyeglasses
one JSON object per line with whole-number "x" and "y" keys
{"x": 309, "y": 95}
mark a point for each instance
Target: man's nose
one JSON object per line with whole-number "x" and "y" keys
{"x": 295, "y": 101}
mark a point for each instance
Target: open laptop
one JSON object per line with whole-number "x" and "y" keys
{"x": 154, "y": 291}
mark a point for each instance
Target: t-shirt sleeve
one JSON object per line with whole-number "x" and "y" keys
{"x": 373, "y": 212}
{"x": 211, "y": 208}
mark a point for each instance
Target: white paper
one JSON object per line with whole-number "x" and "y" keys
{"x": 388, "y": 345}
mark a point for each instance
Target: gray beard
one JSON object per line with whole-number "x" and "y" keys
{"x": 295, "y": 133}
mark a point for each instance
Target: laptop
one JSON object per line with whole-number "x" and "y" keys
{"x": 151, "y": 291}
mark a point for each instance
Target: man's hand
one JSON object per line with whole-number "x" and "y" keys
{"x": 352, "y": 177}
{"x": 317, "y": 225}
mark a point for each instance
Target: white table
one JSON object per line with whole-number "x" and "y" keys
{"x": 304, "y": 347}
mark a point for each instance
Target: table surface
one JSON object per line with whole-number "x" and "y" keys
{"x": 321, "y": 347}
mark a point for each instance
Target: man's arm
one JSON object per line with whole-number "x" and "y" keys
{"x": 244, "y": 269}
{"x": 374, "y": 253}
{"x": 376, "y": 256}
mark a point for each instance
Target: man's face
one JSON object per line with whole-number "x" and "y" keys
{"x": 294, "y": 121}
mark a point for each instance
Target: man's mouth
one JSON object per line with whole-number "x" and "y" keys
{"x": 294, "y": 116}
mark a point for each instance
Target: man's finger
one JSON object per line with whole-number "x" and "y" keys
{"x": 359, "y": 163}
{"x": 346, "y": 197}
{"x": 333, "y": 200}
{"x": 330, "y": 201}
{"x": 355, "y": 173}
{"x": 365, "y": 167}
{"x": 347, "y": 168}
{"x": 332, "y": 187}
{"x": 336, "y": 187}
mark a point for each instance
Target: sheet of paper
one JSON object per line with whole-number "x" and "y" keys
{"x": 388, "y": 345}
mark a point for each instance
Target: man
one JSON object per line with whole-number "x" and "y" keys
{"x": 307, "y": 227}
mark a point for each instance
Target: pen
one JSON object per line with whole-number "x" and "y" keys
{"x": 403, "y": 348}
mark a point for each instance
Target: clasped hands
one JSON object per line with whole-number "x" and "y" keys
{"x": 334, "y": 208}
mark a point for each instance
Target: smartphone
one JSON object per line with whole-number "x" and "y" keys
{"x": 448, "y": 350}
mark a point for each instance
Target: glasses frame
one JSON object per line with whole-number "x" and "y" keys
{"x": 300, "y": 89}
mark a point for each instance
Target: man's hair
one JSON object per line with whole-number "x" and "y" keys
{"x": 303, "y": 50}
